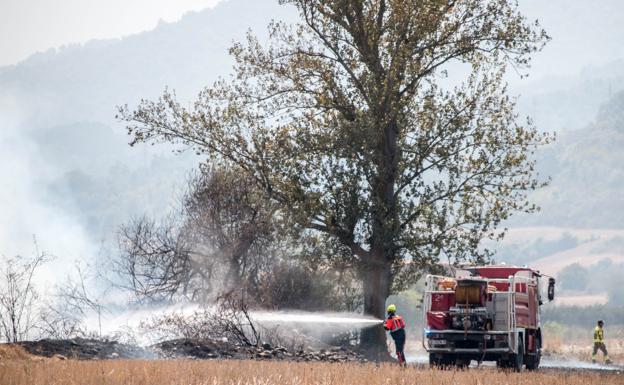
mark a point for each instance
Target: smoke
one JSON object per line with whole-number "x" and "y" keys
{"x": 126, "y": 325}
{"x": 24, "y": 212}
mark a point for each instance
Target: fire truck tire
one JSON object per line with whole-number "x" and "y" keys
{"x": 440, "y": 361}
{"x": 533, "y": 361}
{"x": 462, "y": 363}
{"x": 516, "y": 361}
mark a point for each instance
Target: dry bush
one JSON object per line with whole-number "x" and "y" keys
{"x": 295, "y": 285}
{"x": 289, "y": 338}
{"x": 185, "y": 372}
{"x": 176, "y": 325}
{"x": 19, "y": 306}
{"x": 229, "y": 318}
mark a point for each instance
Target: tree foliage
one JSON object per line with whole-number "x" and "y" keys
{"x": 230, "y": 220}
{"x": 227, "y": 238}
{"x": 343, "y": 121}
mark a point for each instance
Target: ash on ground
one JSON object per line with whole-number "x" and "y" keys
{"x": 91, "y": 349}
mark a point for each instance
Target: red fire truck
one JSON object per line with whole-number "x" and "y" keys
{"x": 485, "y": 313}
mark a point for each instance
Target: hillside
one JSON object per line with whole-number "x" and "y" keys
{"x": 86, "y": 82}
{"x": 59, "y": 134}
{"x": 74, "y": 173}
{"x": 563, "y": 103}
{"x": 579, "y": 231}
{"x": 587, "y": 171}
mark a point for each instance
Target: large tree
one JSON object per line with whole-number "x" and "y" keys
{"x": 350, "y": 121}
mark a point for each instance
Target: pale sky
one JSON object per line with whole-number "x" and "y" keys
{"x": 29, "y": 26}
{"x": 581, "y": 36}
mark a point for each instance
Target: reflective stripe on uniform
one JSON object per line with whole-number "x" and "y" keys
{"x": 395, "y": 323}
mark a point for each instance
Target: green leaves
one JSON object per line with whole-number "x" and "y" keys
{"x": 343, "y": 122}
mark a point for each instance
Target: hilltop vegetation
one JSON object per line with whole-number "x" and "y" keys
{"x": 587, "y": 170}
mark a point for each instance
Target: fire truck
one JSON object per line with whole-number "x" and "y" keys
{"x": 485, "y": 313}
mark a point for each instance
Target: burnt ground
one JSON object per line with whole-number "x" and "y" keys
{"x": 91, "y": 349}
{"x": 85, "y": 349}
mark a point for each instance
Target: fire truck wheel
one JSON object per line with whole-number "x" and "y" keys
{"x": 462, "y": 363}
{"x": 502, "y": 363}
{"x": 514, "y": 361}
{"x": 533, "y": 361}
{"x": 440, "y": 361}
{"x": 517, "y": 360}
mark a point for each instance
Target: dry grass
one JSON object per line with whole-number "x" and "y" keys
{"x": 561, "y": 347}
{"x": 268, "y": 373}
{"x": 574, "y": 342}
{"x": 15, "y": 352}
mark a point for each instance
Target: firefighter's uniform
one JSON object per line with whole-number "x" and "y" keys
{"x": 599, "y": 344}
{"x": 396, "y": 325}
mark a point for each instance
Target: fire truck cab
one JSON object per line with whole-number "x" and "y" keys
{"x": 484, "y": 313}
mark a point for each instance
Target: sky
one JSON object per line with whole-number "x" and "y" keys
{"x": 584, "y": 34}
{"x": 580, "y": 39}
{"x": 30, "y": 26}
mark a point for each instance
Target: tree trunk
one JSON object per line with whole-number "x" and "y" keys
{"x": 376, "y": 284}
{"x": 377, "y": 276}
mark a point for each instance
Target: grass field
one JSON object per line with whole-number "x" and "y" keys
{"x": 561, "y": 348}
{"x": 185, "y": 372}
{"x": 574, "y": 342}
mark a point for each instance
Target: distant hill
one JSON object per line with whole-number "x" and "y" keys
{"x": 85, "y": 82}
{"x": 581, "y": 222}
{"x": 57, "y": 123}
{"x": 570, "y": 102}
{"x": 587, "y": 170}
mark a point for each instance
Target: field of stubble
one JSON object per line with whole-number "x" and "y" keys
{"x": 180, "y": 372}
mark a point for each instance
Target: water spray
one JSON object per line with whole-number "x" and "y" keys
{"x": 316, "y": 318}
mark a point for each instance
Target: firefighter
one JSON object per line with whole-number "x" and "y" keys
{"x": 395, "y": 324}
{"x": 599, "y": 343}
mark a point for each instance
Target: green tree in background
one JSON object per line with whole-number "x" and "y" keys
{"x": 343, "y": 121}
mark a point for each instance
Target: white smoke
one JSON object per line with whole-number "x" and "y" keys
{"x": 23, "y": 210}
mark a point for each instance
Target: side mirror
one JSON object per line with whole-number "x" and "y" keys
{"x": 551, "y": 289}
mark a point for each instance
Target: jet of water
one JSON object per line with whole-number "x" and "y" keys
{"x": 349, "y": 319}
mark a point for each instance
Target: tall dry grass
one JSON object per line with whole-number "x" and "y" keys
{"x": 15, "y": 352}
{"x": 269, "y": 373}
{"x": 566, "y": 349}
{"x": 577, "y": 343}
